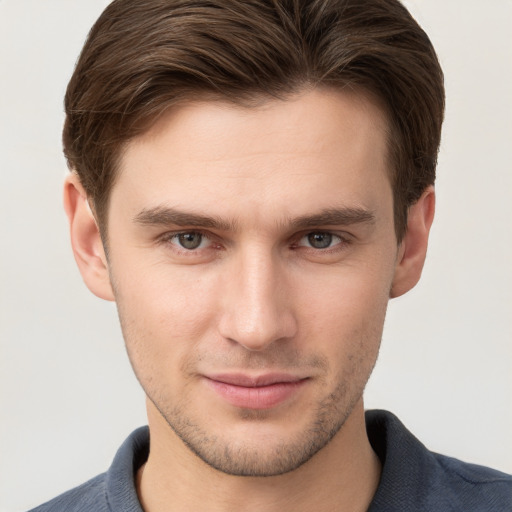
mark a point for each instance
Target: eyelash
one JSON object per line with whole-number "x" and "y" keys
{"x": 343, "y": 241}
{"x": 167, "y": 238}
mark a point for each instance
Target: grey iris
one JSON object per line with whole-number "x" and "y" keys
{"x": 190, "y": 240}
{"x": 320, "y": 240}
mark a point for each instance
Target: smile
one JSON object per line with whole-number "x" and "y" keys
{"x": 262, "y": 392}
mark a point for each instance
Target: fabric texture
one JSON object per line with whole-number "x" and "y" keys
{"x": 413, "y": 479}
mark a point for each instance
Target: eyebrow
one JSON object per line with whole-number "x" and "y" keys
{"x": 335, "y": 217}
{"x": 167, "y": 216}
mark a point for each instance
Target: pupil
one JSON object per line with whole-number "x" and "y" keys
{"x": 320, "y": 240}
{"x": 190, "y": 240}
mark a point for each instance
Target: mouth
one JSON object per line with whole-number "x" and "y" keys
{"x": 255, "y": 392}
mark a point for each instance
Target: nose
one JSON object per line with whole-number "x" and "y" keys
{"x": 257, "y": 303}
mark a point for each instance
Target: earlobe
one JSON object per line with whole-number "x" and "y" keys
{"x": 413, "y": 248}
{"x": 86, "y": 240}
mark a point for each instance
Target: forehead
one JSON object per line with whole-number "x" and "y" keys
{"x": 321, "y": 146}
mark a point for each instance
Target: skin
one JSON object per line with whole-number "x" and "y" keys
{"x": 274, "y": 286}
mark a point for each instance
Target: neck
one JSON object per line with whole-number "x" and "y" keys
{"x": 344, "y": 475}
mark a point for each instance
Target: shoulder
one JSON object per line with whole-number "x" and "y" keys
{"x": 113, "y": 491}
{"x": 471, "y": 486}
{"x": 416, "y": 479}
{"x": 86, "y": 497}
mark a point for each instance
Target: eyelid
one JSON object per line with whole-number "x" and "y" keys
{"x": 168, "y": 236}
{"x": 345, "y": 239}
{"x": 343, "y": 235}
{"x": 333, "y": 235}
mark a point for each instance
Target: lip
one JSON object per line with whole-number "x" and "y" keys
{"x": 255, "y": 392}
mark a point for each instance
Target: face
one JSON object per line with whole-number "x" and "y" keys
{"x": 251, "y": 253}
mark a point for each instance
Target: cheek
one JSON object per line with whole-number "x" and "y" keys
{"x": 345, "y": 310}
{"x": 347, "y": 293}
{"x": 164, "y": 313}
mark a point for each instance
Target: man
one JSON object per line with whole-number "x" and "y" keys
{"x": 251, "y": 182}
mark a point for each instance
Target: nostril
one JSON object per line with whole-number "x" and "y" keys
{"x": 256, "y": 332}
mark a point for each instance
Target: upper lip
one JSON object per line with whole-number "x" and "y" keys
{"x": 254, "y": 381}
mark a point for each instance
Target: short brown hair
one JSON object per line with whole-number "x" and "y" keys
{"x": 142, "y": 56}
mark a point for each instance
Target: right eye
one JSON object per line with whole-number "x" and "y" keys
{"x": 189, "y": 240}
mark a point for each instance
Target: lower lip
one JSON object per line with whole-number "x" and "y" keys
{"x": 260, "y": 397}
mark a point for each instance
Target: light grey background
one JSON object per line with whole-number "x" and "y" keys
{"x": 67, "y": 394}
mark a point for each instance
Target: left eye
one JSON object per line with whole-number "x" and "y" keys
{"x": 190, "y": 240}
{"x": 320, "y": 240}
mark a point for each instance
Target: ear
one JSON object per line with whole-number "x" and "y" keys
{"x": 413, "y": 248}
{"x": 86, "y": 240}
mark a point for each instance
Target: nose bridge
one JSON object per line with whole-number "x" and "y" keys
{"x": 258, "y": 310}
